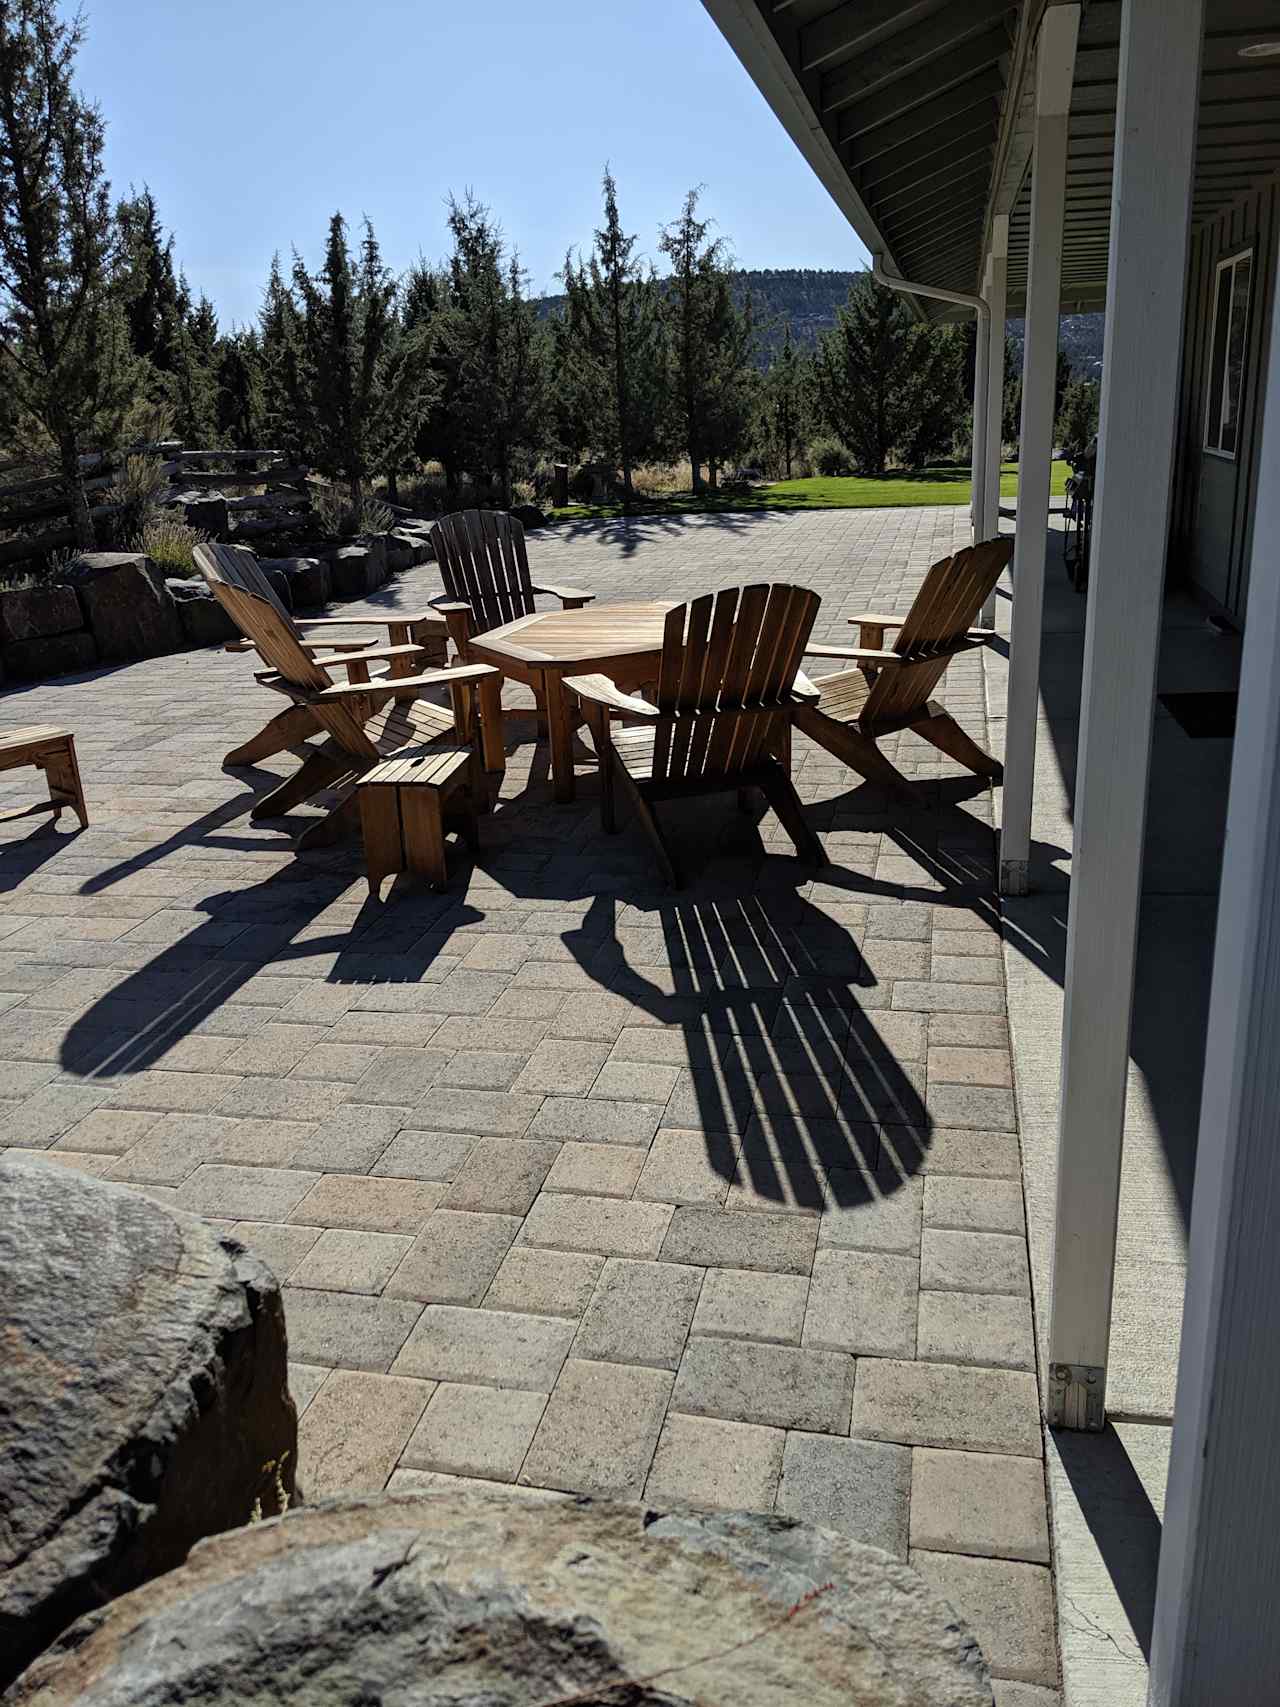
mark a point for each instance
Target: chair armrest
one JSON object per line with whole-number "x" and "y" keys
{"x": 392, "y": 620}
{"x": 369, "y": 656}
{"x": 567, "y": 595}
{"x": 803, "y": 689}
{"x": 980, "y": 636}
{"x": 875, "y": 656}
{"x": 878, "y": 620}
{"x": 463, "y": 675}
{"x": 599, "y": 690}
{"x": 450, "y": 607}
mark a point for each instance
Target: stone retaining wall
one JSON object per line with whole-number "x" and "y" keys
{"x": 117, "y": 606}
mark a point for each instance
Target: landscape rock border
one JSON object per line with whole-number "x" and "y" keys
{"x": 144, "y": 1397}
{"x": 460, "y": 1595}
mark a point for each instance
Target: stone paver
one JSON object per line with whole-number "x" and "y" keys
{"x": 862, "y": 1488}
{"x": 599, "y": 1430}
{"x": 704, "y": 1461}
{"x": 671, "y": 1159}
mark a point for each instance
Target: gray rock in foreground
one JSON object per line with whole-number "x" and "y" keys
{"x": 470, "y": 1598}
{"x": 143, "y": 1395}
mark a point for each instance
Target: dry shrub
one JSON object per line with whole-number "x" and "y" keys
{"x": 169, "y": 544}
{"x": 656, "y": 479}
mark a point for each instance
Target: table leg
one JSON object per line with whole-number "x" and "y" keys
{"x": 560, "y": 731}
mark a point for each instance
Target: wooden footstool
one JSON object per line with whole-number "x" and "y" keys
{"x": 405, "y": 804}
{"x": 52, "y": 751}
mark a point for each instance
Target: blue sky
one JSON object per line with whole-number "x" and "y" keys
{"x": 252, "y": 120}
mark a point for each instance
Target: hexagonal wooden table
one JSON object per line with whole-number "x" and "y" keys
{"x": 622, "y": 641}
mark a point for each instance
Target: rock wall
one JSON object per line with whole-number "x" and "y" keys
{"x": 144, "y": 1397}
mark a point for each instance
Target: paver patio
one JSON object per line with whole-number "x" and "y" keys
{"x": 574, "y": 1182}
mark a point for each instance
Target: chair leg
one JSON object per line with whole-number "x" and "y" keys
{"x": 945, "y": 733}
{"x": 62, "y": 774}
{"x": 421, "y": 813}
{"x": 312, "y": 776}
{"x": 491, "y": 739}
{"x": 781, "y": 794}
{"x": 284, "y": 731}
{"x": 854, "y": 749}
{"x": 649, "y": 824}
{"x": 338, "y": 821}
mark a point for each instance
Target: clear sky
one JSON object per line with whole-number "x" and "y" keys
{"x": 252, "y": 120}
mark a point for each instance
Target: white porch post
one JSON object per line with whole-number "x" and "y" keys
{"x": 1150, "y": 215}
{"x": 981, "y": 456}
{"x": 1216, "y": 1634}
{"x": 995, "y": 291}
{"x": 1055, "y": 62}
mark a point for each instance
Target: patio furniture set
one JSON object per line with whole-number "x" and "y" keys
{"x": 678, "y": 699}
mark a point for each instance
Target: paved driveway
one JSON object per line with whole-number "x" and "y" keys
{"x": 573, "y": 1182}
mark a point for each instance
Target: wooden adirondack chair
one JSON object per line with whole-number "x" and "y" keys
{"x": 726, "y": 696}
{"x": 238, "y": 567}
{"x": 485, "y": 570}
{"x": 364, "y": 720}
{"x": 888, "y": 690}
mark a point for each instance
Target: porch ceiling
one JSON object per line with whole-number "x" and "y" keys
{"x": 1237, "y": 144}
{"x": 896, "y": 104}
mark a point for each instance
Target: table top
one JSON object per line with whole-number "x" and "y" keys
{"x": 595, "y": 634}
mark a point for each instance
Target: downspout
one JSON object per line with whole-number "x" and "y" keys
{"x": 983, "y": 524}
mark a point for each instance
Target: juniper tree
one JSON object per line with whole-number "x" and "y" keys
{"x": 692, "y": 300}
{"x": 358, "y": 382}
{"x": 280, "y": 355}
{"x": 490, "y": 336}
{"x": 732, "y": 382}
{"x": 62, "y": 332}
{"x": 239, "y": 398}
{"x": 615, "y": 338}
{"x": 783, "y": 400}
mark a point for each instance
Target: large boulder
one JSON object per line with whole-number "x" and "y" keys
{"x": 207, "y": 511}
{"x": 126, "y": 604}
{"x": 529, "y": 516}
{"x": 29, "y": 613}
{"x": 487, "y": 1598}
{"x": 351, "y": 572}
{"x": 204, "y": 622}
{"x": 143, "y": 1396}
{"x": 307, "y": 579}
{"x": 378, "y": 570}
{"x": 51, "y": 655}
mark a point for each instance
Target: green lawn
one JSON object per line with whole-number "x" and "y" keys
{"x": 942, "y": 485}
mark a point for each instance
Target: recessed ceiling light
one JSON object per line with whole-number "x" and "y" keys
{"x": 1261, "y": 50}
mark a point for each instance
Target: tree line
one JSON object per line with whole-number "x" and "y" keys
{"x": 366, "y": 375}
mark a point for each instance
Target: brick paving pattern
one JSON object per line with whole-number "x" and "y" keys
{"x": 574, "y": 1182}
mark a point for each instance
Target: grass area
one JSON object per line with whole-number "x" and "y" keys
{"x": 940, "y": 485}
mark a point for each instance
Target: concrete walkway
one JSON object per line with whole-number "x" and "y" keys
{"x": 574, "y": 1182}
{"x": 1107, "y": 1492}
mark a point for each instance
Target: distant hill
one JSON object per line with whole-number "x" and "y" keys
{"x": 806, "y": 296}
{"x": 1080, "y": 339}
{"x": 809, "y": 296}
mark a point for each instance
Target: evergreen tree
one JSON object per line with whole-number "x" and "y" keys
{"x": 150, "y": 285}
{"x": 360, "y": 379}
{"x": 280, "y": 372}
{"x": 783, "y": 402}
{"x": 1077, "y": 422}
{"x": 490, "y": 336}
{"x": 615, "y": 339}
{"x": 692, "y": 303}
{"x": 936, "y": 403}
{"x": 62, "y": 332}
{"x": 732, "y": 381}
{"x": 862, "y": 374}
{"x": 239, "y": 399}
{"x": 425, "y": 313}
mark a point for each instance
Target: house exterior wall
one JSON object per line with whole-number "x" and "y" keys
{"x": 1213, "y": 499}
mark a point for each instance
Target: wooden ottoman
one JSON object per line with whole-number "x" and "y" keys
{"x": 405, "y": 805}
{"x": 54, "y": 752}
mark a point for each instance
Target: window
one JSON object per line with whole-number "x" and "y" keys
{"x": 1226, "y": 357}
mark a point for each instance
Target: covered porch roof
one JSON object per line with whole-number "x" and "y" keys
{"x": 918, "y": 116}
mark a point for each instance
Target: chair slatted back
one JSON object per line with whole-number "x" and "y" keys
{"x": 483, "y": 563}
{"x": 232, "y": 573}
{"x": 729, "y": 660}
{"x": 946, "y": 607}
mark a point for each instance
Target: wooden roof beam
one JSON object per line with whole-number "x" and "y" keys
{"x": 854, "y": 28}
{"x": 976, "y": 125}
{"x": 981, "y": 90}
{"x": 917, "y": 87}
{"x": 903, "y": 52}
{"x": 948, "y": 160}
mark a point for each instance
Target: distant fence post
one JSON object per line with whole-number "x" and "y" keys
{"x": 560, "y": 485}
